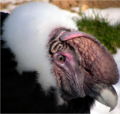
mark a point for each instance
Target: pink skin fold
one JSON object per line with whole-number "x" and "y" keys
{"x": 75, "y": 34}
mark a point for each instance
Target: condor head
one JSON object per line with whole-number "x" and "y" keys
{"x": 83, "y": 66}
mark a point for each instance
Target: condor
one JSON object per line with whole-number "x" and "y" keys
{"x": 50, "y": 66}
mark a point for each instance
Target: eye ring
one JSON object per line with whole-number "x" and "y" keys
{"x": 61, "y": 58}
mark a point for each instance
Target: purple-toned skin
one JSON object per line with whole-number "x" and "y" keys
{"x": 89, "y": 68}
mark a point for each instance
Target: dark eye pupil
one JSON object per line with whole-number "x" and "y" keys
{"x": 61, "y": 58}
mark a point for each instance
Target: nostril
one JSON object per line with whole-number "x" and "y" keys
{"x": 88, "y": 71}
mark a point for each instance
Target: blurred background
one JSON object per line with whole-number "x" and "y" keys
{"x": 100, "y": 18}
{"x": 9, "y": 5}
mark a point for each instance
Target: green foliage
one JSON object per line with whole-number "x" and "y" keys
{"x": 100, "y": 28}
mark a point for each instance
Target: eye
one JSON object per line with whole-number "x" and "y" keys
{"x": 61, "y": 58}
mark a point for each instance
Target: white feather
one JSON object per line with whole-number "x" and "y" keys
{"x": 26, "y": 32}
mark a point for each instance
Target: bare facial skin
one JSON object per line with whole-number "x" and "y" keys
{"x": 83, "y": 66}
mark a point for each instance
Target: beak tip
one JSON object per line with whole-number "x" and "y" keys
{"x": 108, "y": 97}
{"x": 110, "y": 101}
{"x": 114, "y": 105}
{"x": 111, "y": 108}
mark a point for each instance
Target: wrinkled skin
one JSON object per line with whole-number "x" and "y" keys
{"x": 87, "y": 67}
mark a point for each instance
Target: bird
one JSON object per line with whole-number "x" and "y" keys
{"x": 49, "y": 66}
